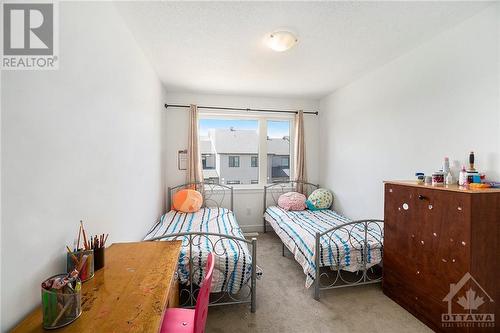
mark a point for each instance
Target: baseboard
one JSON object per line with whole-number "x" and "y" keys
{"x": 252, "y": 228}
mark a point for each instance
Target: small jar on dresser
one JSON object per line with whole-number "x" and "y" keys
{"x": 442, "y": 255}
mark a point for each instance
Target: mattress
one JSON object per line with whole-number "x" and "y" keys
{"x": 297, "y": 230}
{"x": 233, "y": 260}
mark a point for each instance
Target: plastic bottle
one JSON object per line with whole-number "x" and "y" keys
{"x": 462, "y": 177}
{"x": 446, "y": 165}
{"x": 449, "y": 178}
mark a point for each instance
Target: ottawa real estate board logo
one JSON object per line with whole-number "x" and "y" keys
{"x": 467, "y": 305}
{"x": 30, "y": 36}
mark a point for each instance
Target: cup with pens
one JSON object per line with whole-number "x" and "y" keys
{"x": 88, "y": 258}
{"x": 61, "y": 300}
{"x": 98, "y": 247}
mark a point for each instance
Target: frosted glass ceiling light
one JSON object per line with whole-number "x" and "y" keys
{"x": 280, "y": 41}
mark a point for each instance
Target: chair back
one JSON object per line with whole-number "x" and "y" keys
{"x": 201, "y": 309}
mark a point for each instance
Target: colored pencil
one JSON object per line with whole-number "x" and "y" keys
{"x": 79, "y": 233}
{"x": 73, "y": 257}
{"x": 84, "y": 236}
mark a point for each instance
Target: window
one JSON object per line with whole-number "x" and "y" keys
{"x": 234, "y": 161}
{"x": 278, "y": 151}
{"x": 245, "y": 149}
{"x": 230, "y": 143}
{"x": 208, "y": 161}
{"x": 254, "y": 162}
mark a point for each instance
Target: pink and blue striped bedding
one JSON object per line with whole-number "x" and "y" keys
{"x": 297, "y": 230}
{"x": 233, "y": 260}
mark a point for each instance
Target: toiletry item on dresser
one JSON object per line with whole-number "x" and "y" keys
{"x": 428, "y": 180}
{"x": 420, "y": 177}
{"x": 449, "y": 178}
{"x": 473, "y": 177}
{"x": 446, "y": 165}
{"x": 462, "y": 178}
{"x": 471, "y": 162}
{"x": 438, "y": 178}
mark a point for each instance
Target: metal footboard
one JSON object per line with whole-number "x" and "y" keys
{"x": 189, "y": 292}
{"x": 331, "y": 277}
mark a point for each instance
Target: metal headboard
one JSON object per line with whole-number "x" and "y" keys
{"x": 213, "y": 194}
{"x": 274, "y": 190}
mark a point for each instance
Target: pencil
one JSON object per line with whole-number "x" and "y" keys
{"x": 79, "y": 233}
{"x": 105, "y": 239}
{"x": 73, "y": 257}
{"x": 84, "y": 235}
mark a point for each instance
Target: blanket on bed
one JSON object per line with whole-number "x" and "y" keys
{"x": 233, "y": 260}
{"x": 297, "y": 230}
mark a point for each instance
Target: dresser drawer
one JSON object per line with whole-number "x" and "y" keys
{"x": 418, "y": 298}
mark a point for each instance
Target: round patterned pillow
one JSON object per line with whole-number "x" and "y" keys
{"x": 320, "y": 199}
{"x": 292, "y": 201}
{"x": 187, "y": 201}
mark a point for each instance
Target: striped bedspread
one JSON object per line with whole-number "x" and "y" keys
{"x": 297, "y": 230}
{"x": 233, "y": 260}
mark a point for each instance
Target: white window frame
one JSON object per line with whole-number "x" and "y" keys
{"x": 262, "y": 118}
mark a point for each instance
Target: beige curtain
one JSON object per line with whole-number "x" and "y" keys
{"x": 299, "y": 152}
{"x": 194, "y": 172}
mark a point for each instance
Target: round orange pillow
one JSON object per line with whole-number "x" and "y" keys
{"x": 187, "y": 201}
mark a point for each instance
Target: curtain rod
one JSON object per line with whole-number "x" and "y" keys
{"x": 238, "y": 109}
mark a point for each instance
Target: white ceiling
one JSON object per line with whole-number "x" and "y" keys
{"x": 216, "y": 47}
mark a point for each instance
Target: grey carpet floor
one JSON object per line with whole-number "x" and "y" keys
{"x": 284, "y": 305}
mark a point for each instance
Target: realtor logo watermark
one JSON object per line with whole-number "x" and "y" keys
{"x": 30, "y": 36}
{"x": 466, "y": 301}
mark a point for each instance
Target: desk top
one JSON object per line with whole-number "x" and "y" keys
{"x": 128, "y": 295}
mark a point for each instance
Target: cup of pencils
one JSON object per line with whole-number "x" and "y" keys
{"x": 61, "y": 300}
{"x": 82, "y": 261}
{"x": 97, "y": 245}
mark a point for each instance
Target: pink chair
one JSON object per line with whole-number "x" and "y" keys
{"x": 177, "y": 320}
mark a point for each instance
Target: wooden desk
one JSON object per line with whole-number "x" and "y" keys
{"x": 129, "y": 294}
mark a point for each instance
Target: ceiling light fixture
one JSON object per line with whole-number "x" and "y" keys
{"x": 281, "y": 40}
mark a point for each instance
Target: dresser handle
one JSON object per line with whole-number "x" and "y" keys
{"x": 421, "y": 197}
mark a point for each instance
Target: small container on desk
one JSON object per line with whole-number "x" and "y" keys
{"x": 86, "y": 269}
{"x": 98, "y": 258}
{"x": 61, "y": 306}
{"x": 438, "y": 178}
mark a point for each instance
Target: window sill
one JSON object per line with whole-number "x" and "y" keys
{"x": 257, "y": 189}
{"x": 249, "y": 188}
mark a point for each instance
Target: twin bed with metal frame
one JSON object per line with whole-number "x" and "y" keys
{"x": 350, "y": 252}
{"x": 211, "y": 229}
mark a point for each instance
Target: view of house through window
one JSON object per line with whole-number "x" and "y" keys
{"x": 232, "y": 143}
{"x": 230, "y": 150}
{"x": 278, "y": 151}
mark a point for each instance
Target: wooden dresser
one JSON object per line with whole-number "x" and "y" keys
{"x": 434, "y": 237}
